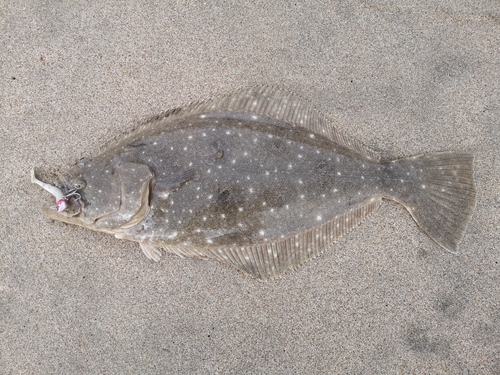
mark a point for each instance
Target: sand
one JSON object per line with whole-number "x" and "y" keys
{"x": 403, "y": 78}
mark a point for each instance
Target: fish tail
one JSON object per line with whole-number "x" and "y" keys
{"x": 438, "y": 190}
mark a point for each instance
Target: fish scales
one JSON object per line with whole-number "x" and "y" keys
{"x": 256, "y": 179}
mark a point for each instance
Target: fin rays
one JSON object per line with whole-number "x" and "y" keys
{"x": 274, "y": 103}
{"x": 268, "y": 260}
{"x": 445, "y": 206}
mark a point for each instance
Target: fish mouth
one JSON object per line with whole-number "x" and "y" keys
{"x": 71, "y": 215}
{"x": 69, "y": 203}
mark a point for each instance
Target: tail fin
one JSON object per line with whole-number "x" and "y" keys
{"x": 442, "y": 194}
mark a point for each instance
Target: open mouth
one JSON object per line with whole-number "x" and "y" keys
{"x": 73, "y": 208}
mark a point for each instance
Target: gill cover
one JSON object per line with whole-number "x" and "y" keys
{"x": 135, "y": 184}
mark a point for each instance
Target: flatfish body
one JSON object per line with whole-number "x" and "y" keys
{"x": 258, "y": 180}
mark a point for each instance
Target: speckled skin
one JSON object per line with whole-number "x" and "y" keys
{"x": 253, "y": 182}
{"x": 257, "y": 191}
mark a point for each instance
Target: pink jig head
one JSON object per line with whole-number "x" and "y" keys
{"x": 62, "y": 204}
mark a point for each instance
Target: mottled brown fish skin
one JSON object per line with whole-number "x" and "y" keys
{"x": 256, "y": 188}
{"x": 253, "y": 182}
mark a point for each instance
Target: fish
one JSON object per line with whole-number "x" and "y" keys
{"x": 257, "y": 179}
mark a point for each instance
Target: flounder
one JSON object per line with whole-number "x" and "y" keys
{"x": 258, "y": 180}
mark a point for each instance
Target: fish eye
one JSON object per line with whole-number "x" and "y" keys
{"x": 83, "y": 162}
{"x": 79, "y": 184}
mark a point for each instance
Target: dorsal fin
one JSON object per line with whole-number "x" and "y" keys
{"x": 274, "y": 103}
{"x": 271, "y": 259}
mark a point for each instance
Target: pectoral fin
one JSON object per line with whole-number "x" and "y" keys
{"x": 168, "y": 184}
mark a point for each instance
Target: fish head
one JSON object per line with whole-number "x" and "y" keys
{"x": 102, "y": 195}
{"x": 89, "y": 191}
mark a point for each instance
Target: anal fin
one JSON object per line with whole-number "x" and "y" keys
{"x": 271, "y": 259}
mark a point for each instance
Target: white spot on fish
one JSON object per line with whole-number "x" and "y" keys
{"x": 172, "y": 235}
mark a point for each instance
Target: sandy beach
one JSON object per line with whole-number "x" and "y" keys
{"x": 404, "y": 79}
